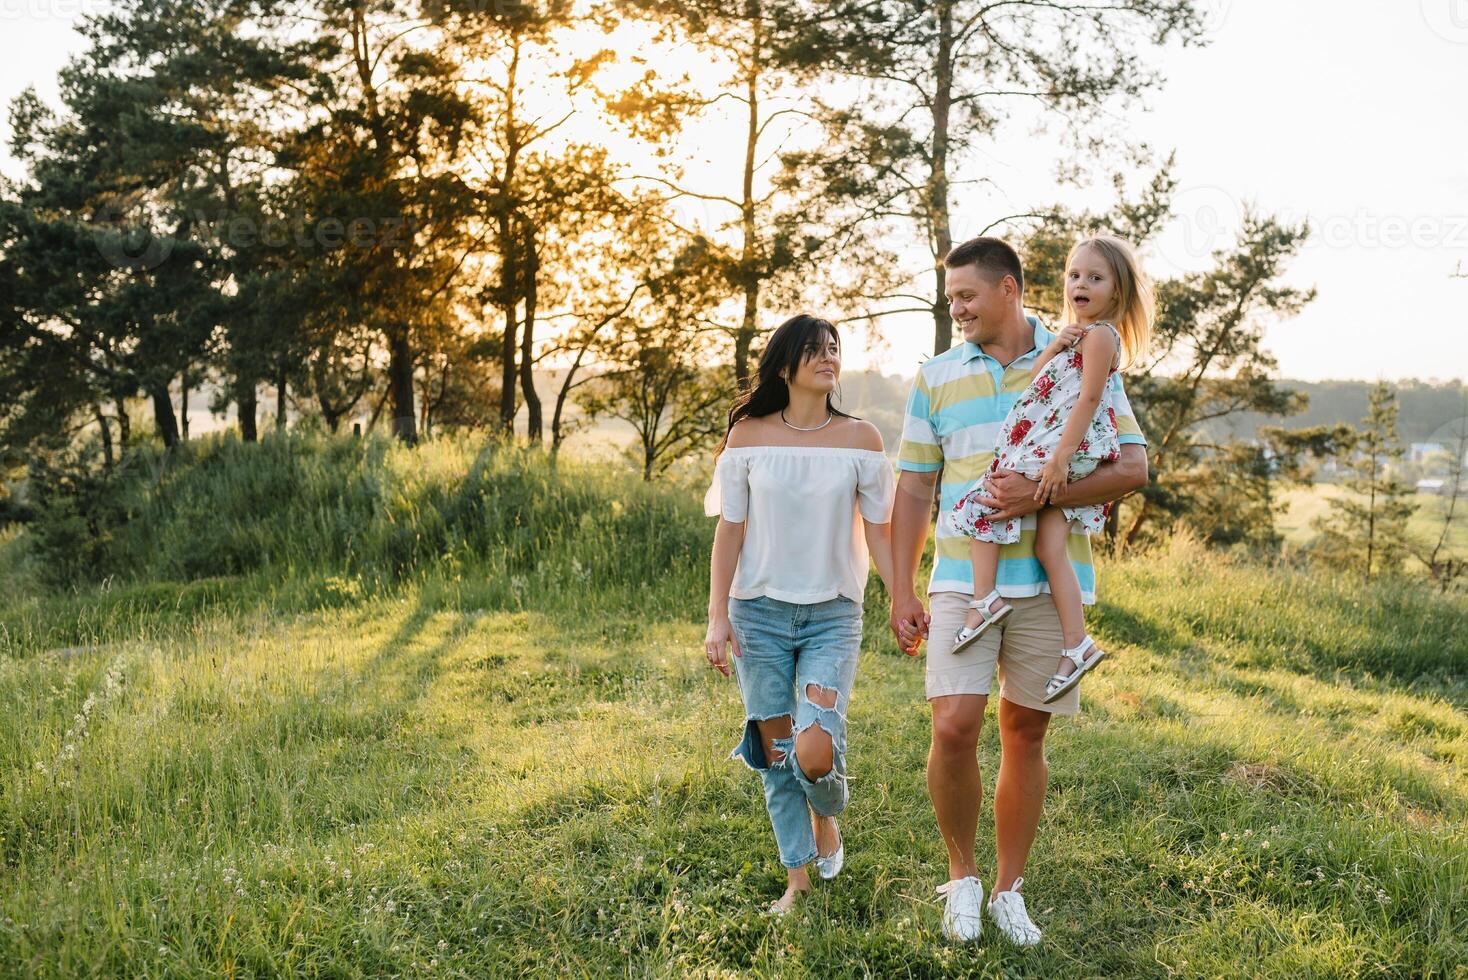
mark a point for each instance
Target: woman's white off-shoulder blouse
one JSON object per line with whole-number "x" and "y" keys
{"x": 802, "y": 508}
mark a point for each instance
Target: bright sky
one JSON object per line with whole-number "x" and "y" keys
{"x": 1307, "y": 110}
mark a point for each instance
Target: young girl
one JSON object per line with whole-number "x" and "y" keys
{"x": 1059, "y": 430}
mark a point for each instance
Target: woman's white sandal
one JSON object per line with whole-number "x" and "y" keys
{"x": 829, "y": 866}
{"x": 965, "y": 636}
{"x": 1060, "y": 683}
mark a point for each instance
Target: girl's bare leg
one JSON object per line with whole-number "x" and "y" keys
{"x": 1051, "y": 533}
{"x": 985, "y": 558}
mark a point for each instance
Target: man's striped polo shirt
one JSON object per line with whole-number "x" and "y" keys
{"x": 954, "y": 413}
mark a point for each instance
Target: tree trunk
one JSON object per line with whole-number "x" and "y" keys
{"x": 1371, "y": 518}
{"x": 163, "y": 415}
{"x": 124, "y": 429}
{"x": 280, "y": 392}
{"x": 508, "y": 247}
{"x": 183, "y": 404}
{"x": 566, "y": 385}
{"x": 534, "y": 427}
{"x": 1135, "y": 531}
{"x": 377, "y": 409}
{"x": 749, "y": 252}
{"x": 508, "y": 367}
{"x": 106, "y": 437}
{"x": 246, "y": 404}
{"x": 400, "y": 379}
{"x": 942, "y": 234}
{"x": 329, "y": 414}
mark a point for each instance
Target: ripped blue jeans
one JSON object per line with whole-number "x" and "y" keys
{"x": 791, "y": 653}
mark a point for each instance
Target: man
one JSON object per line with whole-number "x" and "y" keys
{"x": 957, "y": 405}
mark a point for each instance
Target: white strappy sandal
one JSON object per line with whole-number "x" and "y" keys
{"x": 1060, "y": 683}
{"x": 966, "y": 636}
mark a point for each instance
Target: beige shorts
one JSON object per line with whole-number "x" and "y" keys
{"x": 1025, "y": 648}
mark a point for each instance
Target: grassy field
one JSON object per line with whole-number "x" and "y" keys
{"x": 1304, "y": 504}
{"x": 421, "y": 756}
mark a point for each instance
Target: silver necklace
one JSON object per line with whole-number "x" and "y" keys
{"x": 799, "y": 428}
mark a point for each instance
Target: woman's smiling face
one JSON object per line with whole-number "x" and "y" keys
{"x": 1090, "y": 285}
{"x": 820, "y": 364}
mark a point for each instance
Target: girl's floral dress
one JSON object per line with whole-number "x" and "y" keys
{"x": 1028, "y": 439}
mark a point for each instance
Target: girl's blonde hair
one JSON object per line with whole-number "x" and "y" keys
{"x": 1135, "y": 306}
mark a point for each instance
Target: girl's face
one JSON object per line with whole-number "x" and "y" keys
{"x": 1090, "y": 285}
{"x": 820, "y": 365}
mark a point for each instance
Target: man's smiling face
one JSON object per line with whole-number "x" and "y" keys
{"x": 977, "y": 305}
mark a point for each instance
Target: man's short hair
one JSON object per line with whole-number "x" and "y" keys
{"x": 993, "y": 256}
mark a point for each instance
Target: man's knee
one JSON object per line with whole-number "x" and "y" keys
{"x": 1022, "y": 729}
{"x": 957, "y": 722}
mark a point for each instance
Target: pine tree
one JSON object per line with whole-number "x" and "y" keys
{"x": 1366, "y": 527}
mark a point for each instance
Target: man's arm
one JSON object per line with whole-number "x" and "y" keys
{"x": 910, "y": 516}
{"x": 1014, "y": 495}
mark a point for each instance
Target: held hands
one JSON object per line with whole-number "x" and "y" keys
{"x": 909, "y": 622}
{"x": 719, "y": 633}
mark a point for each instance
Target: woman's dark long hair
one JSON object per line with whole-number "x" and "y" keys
{"x": 785, "y": 352}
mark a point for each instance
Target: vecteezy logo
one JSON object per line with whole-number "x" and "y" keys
{"x": 1205, "y": 218}
{"x": 1448, "y": 19}
{"x": 1213, "y": 13}
{"x": 1451, "y": 438}
{"x": 132, "y": 248}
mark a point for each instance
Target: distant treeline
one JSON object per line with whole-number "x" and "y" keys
{"x": 1425, "y": 407}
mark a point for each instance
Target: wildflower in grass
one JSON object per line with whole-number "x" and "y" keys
{"x": 81, "y": 721}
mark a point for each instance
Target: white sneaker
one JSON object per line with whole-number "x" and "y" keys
{"x": 1007, "y": 909}
{"x": 963, "y": 917}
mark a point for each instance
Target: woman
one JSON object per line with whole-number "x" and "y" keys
{"x": 795, "y": 478}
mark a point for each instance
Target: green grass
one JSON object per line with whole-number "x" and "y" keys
{"x": 298, "y": 770}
